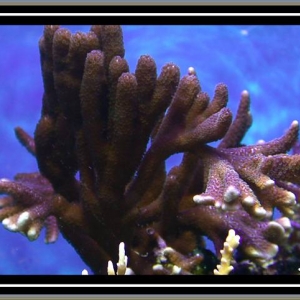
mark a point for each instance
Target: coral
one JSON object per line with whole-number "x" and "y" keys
{"x": 171, "y": 262}
{"x": 116, "y": 129}
{"x": 122, "y": 268}
{"x": 231, "y": 243}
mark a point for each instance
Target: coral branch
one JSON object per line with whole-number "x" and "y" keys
{"x": 101, "y": 144}
{"x": 26, "y": 140}
{"x": 231, "y": 243}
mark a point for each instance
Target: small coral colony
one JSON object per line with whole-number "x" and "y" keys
{"x": 116, "y": 129}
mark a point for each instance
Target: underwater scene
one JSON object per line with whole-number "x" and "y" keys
{"x": 261, "y": 59}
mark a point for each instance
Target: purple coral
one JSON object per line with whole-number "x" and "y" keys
{"x": 97, "y": 118}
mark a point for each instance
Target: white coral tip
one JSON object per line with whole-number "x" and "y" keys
{"x": 7, "y": 223}
{"x": 269, "y": 182}
{"x": 203, "y": 199}
{"x": 260, "y": 211}
{"x": 245, "y": 93}
{"x": 191, "y": 71}
{"x": 23, "y": 218}
{"x": 295, "y": 123}
{"x": 84, "y": 272}
{"x": 32, "y": 234}
{"x": 110, "y": 268}
{"x": 4, "y": 180}
{"x": 231, "y": 193}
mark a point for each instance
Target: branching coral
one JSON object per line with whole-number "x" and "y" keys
{"x": 231, "y": 243}
{"x": 116, "y": 129}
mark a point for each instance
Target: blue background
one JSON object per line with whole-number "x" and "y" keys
{"x": 265, "y": 60}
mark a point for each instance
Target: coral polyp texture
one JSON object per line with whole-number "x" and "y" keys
{"x": 101, "y": 146}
